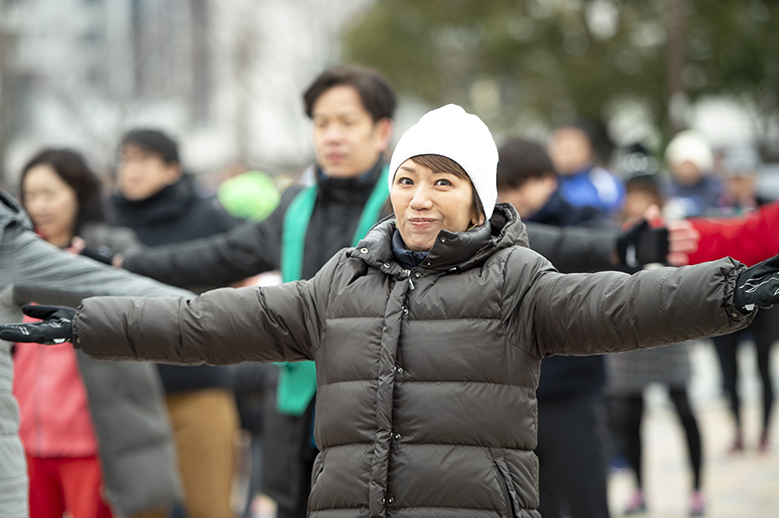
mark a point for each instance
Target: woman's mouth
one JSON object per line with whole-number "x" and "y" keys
{"x": 421, "y": 222}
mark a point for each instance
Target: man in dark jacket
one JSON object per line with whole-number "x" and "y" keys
{"x": 352, "y": 111}
{"x": 157, "y": 201}
{"x": 571, "y": 409}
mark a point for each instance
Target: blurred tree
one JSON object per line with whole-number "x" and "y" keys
{"x": 551, "y": 60}
{"x": 733, "y": 48}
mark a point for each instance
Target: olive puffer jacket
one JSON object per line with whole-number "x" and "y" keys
{"x": 426, "y": 377}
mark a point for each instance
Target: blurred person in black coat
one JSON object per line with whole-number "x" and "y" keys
{"x": 571, "y": 408}
{"x": 160, "y": 204}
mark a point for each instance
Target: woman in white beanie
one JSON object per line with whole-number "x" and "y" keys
{"x": 693, "y": 190}
{"x": 427, "y": 337}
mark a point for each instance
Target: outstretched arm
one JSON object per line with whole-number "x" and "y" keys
{"x": 218, "y": 260}
{"x": 587, "y": 249}
{"x": 42, "y": 273}
{"x": 750, "y": 239}
{"x": 46, "y": 275}
{"x": 277, "y": 323}
{"x": 611, "y": 312}
{"x": 575, "y": 249}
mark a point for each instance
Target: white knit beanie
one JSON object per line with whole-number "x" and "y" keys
{"x": 451, "y": 132}
{"x": 692, "y": 146}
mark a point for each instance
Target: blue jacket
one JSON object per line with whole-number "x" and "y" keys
{"x": 593, "y": 186}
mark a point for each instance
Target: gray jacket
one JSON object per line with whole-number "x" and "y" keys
{"x": 130, "y": 421}
{"x": 426, "y": 377}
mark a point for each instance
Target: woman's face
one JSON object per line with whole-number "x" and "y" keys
{"x": 51, "y": 203}
{"x": 427, "y": 201}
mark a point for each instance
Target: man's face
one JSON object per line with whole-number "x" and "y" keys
{"x": 347, "y": 140}
{"x": 144, "y": 173}
{"x": 570, "y": 150}
{"x": 530, "y": 197}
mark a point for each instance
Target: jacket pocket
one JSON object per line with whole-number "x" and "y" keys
{"x": 507, "y": 488}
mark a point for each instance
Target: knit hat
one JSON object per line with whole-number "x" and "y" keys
{"x": 690, "y": 146}
{"x": 451, "y": 132}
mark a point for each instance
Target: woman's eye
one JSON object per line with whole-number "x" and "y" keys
{"x": 405, "y": 181}
{"x": 443, "y": 182}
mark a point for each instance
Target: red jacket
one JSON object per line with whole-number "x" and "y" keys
{"x": 55, "y": 420}
{"x": 750, "y": 239}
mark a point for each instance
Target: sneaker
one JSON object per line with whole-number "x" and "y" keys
{"x": 737, "y": 446}
{"x": 697, "y": 504}
{"x": 636, "y": 504}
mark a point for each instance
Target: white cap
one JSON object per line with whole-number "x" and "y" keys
{"x": 452, "y": 132}
{"x": 690, "y": 146}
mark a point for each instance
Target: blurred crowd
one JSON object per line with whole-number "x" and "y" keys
{"x": 243, "y": 434}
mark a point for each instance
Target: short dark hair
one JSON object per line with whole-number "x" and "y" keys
{"x": 71, "y": 166}
{"x": 375, "y": 90}
{"x": 520, "y": 160}
{"x": 442, "y": 164}
{"x": 648, "y": 184}
{"x": 153, "y": 141}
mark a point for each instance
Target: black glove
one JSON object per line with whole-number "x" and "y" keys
{"x": 56, "y": 328}
{"x": 758, "y": 286}
{"x": 102, "y": 254}
{"x": 642, "y": 245}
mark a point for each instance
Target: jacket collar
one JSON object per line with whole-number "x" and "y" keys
{"x": 452, "y": 251}
{"x": 170, "y": 203}
{"x": 348, "y": 190}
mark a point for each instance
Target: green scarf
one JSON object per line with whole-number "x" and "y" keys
{"x": 297, "y": 381}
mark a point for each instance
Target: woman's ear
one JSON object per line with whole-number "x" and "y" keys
{"x": 478, "y": 220}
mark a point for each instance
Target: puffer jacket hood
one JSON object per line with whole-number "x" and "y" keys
{"x": 13, "y": 215}
{"x": 452, "y": 251}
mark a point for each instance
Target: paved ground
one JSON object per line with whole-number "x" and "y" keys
{"x": 745, "y": 485}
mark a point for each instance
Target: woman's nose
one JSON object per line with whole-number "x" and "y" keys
{"x": 421, "y": 199}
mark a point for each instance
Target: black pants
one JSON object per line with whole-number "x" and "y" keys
{"x": 630, "y": 410}
{"x": 572, "y": 457}
{"x": 300, "y": 510}
{"x": 288, "y": 459}
{"x": 765, "y": 332}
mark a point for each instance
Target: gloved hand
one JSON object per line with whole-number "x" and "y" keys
{"x": 758, "y": 286}
{"x": 102, "y": 254}
{"x": 56, "y": 328}
{"x": 641, "y": 244}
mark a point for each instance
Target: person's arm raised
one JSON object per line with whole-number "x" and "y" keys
{"x": 218, "y": 260}
{"x": 749, "y": 239}
{"x": 276, "y": 323}
{"x": 605, "y": 312}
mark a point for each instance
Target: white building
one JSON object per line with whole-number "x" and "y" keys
{"x": 224, "y": 77}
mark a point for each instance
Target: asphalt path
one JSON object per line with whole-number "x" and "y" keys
{"x": 735, "y": 485}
